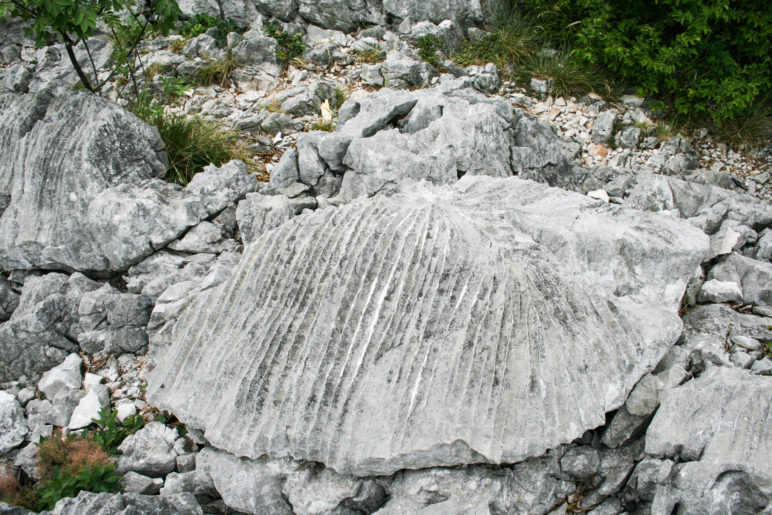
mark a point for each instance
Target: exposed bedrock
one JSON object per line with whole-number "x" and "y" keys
{"x": 438, "y": 134}
{"x": 81, "y": 186}
{"x": 483, "y": 322}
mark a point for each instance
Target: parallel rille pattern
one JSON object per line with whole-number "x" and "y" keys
{"x": 477, "y": 323}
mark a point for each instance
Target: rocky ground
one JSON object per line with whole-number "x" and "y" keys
{"x": 465, "y": 298}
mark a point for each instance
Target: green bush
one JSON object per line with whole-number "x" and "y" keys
{"x": 290, "y": 45}
{"x": 428, "y": 46}
{"x": 702, "y": 58}
{"x": 111, "y": 432}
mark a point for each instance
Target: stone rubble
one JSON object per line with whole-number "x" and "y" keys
{"x": 105, "y": 269}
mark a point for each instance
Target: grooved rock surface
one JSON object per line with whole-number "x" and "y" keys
{"x": 127, "y": 504}
{"x": 718, "y": 425}
{"x": 58, "y": 154}
{"x": 483, "y": 322}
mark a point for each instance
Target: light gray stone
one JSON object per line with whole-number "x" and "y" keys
{"x": 95, "y": 400}
{"x": 62, "y": 153}
{"x": 206, "y": 237}
{"x": 719, "y": 424}
{"x": 63, "y": 405}
{"x": 9, "y": 299}
{"x": 27, "y": 460}
{"x": 467, "y": 11}
{"x": 111, "y": 321}
{"x": 149, "y": 451}
{"x": 163, "y": 269}
{"x": 133, "y": 483}
{"x": 126, "y": 503}
{"x": 580, "y": 462}
{"x": 13, "y": 426}
{"x": 720, "y": 291}
{"x": 203, "y": 46}
{"x": 402, "y": 71}
{"x": 603, "y": 126}
{"x": 755, "y": 278}
{"x": 65, "y": 376}
{"x": 255, "y": 49}
{"x": 302, "y": 320}
{"x": 628, "y": 137}
{"x": 316, "y": 490}
{"x": 259, "y": 213}
{"x": 341, "y": 14}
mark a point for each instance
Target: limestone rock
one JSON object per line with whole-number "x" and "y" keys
{"x": 719, "y": 424}
{"x": 111, "y": 321}
{"x": 120, "y": 504}
{"x": 260, "y": 213}
{"x": 720, "y": 291}
{"x": 149, "y": 451}
{"x": 603, "y": 127}
{"x": 348, "y": 338}
{"x": 468, "y": 11}
{"x": 9, "y": 299}
{"x": 65, "y": 376}
{"x": 96, "y": 399}
{"x": 61, "y": 153}
{"x": 13, "y": 426}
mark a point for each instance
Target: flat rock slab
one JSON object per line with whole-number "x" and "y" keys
{"x": 483, "y": 322}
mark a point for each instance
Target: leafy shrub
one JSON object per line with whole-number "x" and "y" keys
{"x": 704, "y": 58}
{"x": 175, "y": 87}
{"x": 191, "y": 142}
{"x": 73, "y": 21}
{"x": 68, "y": 483}
{"x": 111, "y": 432}
{"x": 428, "y": 46}
{"x": 201, "y": 23}
{"x": 71, "y": 452}
{"x": 290, "y": 45}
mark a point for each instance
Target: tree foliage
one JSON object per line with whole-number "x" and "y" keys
{"x": 709, "y": 58}
{"x": 71, "y": 22}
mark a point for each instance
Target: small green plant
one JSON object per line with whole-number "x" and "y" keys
{"x": 68, "y": 483}
{"x": 663, "y": 131}
{"x": 201, "y": 23}
{"x": 340, "y": 98}
{"x": 428, "y": 46}
{"x": 175, "y": 87}
{"x": 370, "y": 56}
{"x": 152, "y": 70}
{"x": 274, "y": 106}
{"x": 216, "y": 72}
{"x": 290, "y": 45}
{"x": 177, "y": 45}
{"x": 111, "y": 432}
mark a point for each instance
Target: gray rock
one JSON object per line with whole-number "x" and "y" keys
{"x": 261, "y": 494}
{"x": 274, "y": 123}
{"x": 559, "y": 239}
{"x": 111, "y": 321}
{"x": 315, "y": 490}
{"x": 371, "y": 75}
{"x": 63, "y": 377}
{"x": 65, "y": 152}
{"x": 719, "y": 424}
{"x": 755, "y": 278}
{"x": 95, "y": 400}
{"x": 13, "y": 425}
{"x": 149, "y": 451}
{"x": 306, "y": 100}
{"x": 203, "y": 46}
{"x": 55, "y": 73}
{"x": 255, "y": 49}
{"x": 190, "y": 482}
{"x": 163, "y": 269}
{"x": 623, "y": 428}
{"x": 341, "y": 14}
{"x": 126, "y": 504}
{"x": 720, "y": 291}
{"x": 603, "y": 126}
{"x": 63, "y": 405}
{"x": 580, "y": 462}
{"x": 206, "y": 237}
{"x": 486, "y": 78}
{"x": 447, "y": 31}
{"x": 259, "y": 213}
{"x": 9, "y": 299}
{"x": 542, "y": 86}
{"x": 401, "y": 71}
{"x": 628, "y": 137}
{"x": 467, "y": 11}
{"x": 723, "y": 242}
{"x": 649, "y": 473}
{"x": 18, "y": 78}
{"x": 27, "y": 460}
{"x": 133, "y": 483}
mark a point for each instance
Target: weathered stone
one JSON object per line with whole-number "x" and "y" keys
{"x": 468, "y": 11}
{"x": 125, "y": 504}
{"x": 206, "y": 237}
{"x": 62, "y": 153}
{"x": 580, "y": 462}
{"x": 603, "y": 127}
{"x": 111, "y": 321}
{"x": 66, "y": 376}
{"x": 402, "y": 71}
{"x": 341, "y": 14}
{"x": 719, "y": 424}
{"x": 543, "y": 238}
{"x": 13, "y": 426}
{"x": 9, "y": 299}
{"x": 96, "y": 399}
{"x": 149, "y": 451}
{"x": 755, "y": 278}
{"x": 720, "y": 291}
{"x": 628, "y": 137}
{"x": 133, "y": 483}
{"x": 259, "y": 213}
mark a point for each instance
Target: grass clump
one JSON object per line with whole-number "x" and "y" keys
{"x": 508, "y": 47}
{"x": 322, "y": 125}
{"x": 290, "y": 45}
{"x": 191, "y": 142}
{"x": 177, "y": 45}
{"x": 569, "y": 76}
{"x": 216, "y": 72}
{"x": 370, "y": 56}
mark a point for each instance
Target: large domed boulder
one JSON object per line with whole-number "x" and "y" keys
{"x": 483, "y": 322}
